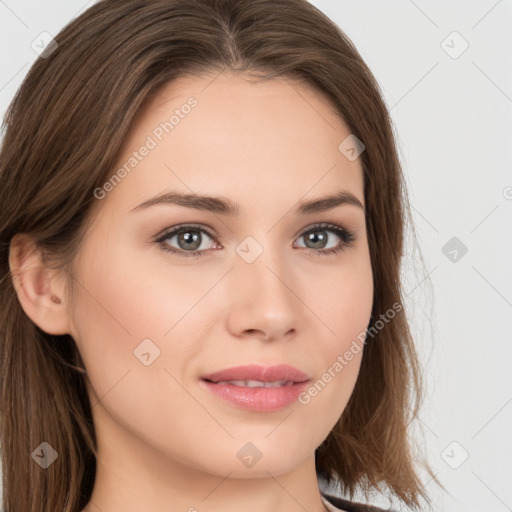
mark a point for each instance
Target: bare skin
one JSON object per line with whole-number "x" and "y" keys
{"x": 165, "y": 442}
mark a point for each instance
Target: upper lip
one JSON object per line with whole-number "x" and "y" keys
{"x": 257, "y": 372}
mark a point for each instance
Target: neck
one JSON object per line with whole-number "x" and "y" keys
{"x": 133, "y": 476}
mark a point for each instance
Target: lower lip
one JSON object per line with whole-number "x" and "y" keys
{"x": 257, "y": 399}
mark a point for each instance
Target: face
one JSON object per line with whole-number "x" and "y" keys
{"x": 264, "y": 283}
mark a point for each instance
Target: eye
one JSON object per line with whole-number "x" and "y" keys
{"x": 189, "y": 239}
{"x": 317, "y": 237}
{"x": 192, "y": 242}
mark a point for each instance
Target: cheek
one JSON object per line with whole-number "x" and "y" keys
{"x": 127, "y": 297}
{"x": 118, "y": 309}
{"x": 112, "y": 314}
{"x": 343, "y": 301}
{"x": 122, "y": 302}
{"x": 344, "y": 308}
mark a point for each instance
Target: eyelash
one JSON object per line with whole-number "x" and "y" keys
{"x": 347, "y": 239}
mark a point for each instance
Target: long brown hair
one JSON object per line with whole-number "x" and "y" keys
{"x": 63, "y": 133}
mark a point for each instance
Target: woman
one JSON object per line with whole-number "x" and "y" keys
{"x": 201, "y": 241}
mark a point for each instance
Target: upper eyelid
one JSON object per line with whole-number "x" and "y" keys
{"x": 176, "y": 229}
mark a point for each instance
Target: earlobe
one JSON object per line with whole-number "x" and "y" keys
{"x": 39, "y": 288}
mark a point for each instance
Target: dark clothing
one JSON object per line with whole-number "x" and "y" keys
{"x": 350, "y": 506}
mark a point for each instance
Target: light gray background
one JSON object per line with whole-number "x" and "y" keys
{"x": 453, "y": 116}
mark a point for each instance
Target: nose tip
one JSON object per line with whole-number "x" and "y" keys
{"x": 263, "y": 305}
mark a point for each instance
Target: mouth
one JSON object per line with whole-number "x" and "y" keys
{"x": 257, "y": 388}
{"x": 254, "y": 373}
{"x": 254, "y": 383}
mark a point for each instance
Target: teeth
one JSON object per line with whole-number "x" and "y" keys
{"x": 257, "y": 383}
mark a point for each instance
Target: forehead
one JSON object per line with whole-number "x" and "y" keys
{"x": 233, "y": 135}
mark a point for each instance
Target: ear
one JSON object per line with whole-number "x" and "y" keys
{"x": 39, "y": 288}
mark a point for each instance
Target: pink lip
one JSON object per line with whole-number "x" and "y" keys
{"x": 257, "y": 399}
{"x": 257, "y": 372}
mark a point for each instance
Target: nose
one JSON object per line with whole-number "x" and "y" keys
{"x": 262, "y": 302}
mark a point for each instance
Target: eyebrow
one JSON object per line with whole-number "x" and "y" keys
{"x": 224, "y": 206}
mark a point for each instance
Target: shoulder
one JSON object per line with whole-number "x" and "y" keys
{"x": 350, "y": 506}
